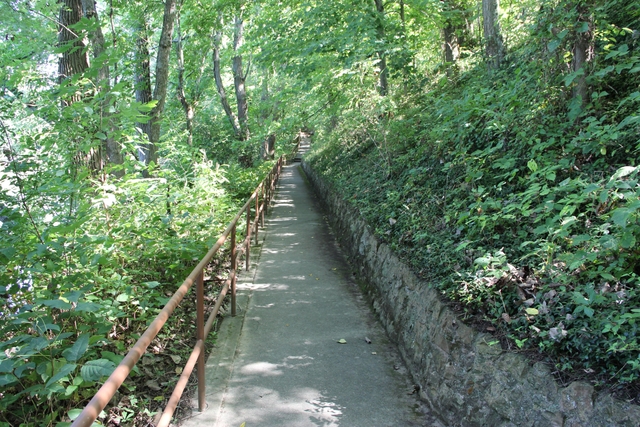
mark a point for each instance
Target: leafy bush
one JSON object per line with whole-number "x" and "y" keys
{"x": 85, "y": 266}
{"x": 510, "y": 197}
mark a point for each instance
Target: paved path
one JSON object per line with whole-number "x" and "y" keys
{"x": 279, "y": 363}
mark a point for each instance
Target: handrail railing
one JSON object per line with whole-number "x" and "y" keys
{"x": 262, "y": 196}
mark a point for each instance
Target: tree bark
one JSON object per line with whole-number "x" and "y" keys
{"x": 142, "y": 78}
{"x": 186, "y": 105}
{"x": 494, "y": 45}
{"x": 452, "y": 26}
{"x": 383, "y": 85}
{"x": 110, "y": 147}
{"x": 451, "y": 44}
{"x": 74, "y": 59}
{"x": 239, "y": 80}
{"x": 220, "y": 87}
{"x": 162, "y": 81}
{"x": 581, "y": 48}
{"x": 267, "y": 150}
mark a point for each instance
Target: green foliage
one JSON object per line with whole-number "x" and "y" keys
{"x": 510, "y": 196}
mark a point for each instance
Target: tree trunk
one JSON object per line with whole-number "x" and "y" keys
{"x": 267, "y": 151}
{"x": 239, "y": 80}
{"x": 581, "y": 49}
{"x": 383, "y": 72}
{"x": 142, "y": 78}
{"x": 451, "y": 45}
{"x": 162, "y": 80}
{"x": 493, "y": 38}
{"x": 186, "y": 105}
{"x": 220, "y": 87}
{"x": 453, "y": 26}
{"x": 74, "y": 58}
{"x": 110, "y": 147}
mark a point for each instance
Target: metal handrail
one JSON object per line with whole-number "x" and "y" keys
{"x": 262, "y": 196}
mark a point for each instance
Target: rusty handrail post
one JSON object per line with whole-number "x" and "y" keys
{"x": 270, "y": 189}
{"x": 248, "y": 237}
{"x": 200, "y": 336}
{"x": 234, "y": 266}
{"x": 257, "y": 212}
{"x": 264, "y": 204}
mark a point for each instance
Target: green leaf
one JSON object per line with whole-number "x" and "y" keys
{"x": 78, "y": 349}
{"x": 74, "y": 413}
{"x": 607, "y": 276}
{"x": 628, "y": 240}
{"x": 63, "y": 372}
{"x": 6, "y": 366}
{"x": 7, "y": 379}
{"x": 93, "y": 370}
{"x": 55, "y": 303}
{"x": 553, "y": 45}
{"x": 622, "y": 172}
{"x": 532, "y": 311}
{"x": 87, "y": 306}
{"x": 122, "y": 298}
{"x": 583, "y": 28}
{"x": 621, "y": 216}
{"x": 482, "y": 261}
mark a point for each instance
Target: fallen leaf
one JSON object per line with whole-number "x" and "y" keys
{"x": 179, "y": 370}
{"x": 153, "y": 385}
{"x": 176, "y": 359}
{"x": 506, "y": 317}
{"x": 532, "y": 311}
{"x": 342, "y": 341}
{"x": 491, "y": 329}
{"x": 392, "y": 221}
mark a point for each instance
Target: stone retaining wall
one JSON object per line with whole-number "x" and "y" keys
{"x": 464, "y": 375}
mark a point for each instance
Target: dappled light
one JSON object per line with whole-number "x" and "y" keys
{"x": 490, "y": 146}
{"x": 301, "y": 357}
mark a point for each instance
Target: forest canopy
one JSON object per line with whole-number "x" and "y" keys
{"x": 502, "y": 139}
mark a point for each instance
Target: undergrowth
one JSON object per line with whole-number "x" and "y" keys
{"x": 87, "y": 266}
{"x": 515, "y": 200}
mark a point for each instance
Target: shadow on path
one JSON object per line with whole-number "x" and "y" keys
{"x": 279, "y": 363}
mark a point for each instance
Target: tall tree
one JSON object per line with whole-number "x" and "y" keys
{"x": 150, "y": 150}
{"x": 450, "y": 31}
{"x": 187, "y": 106}
{"x": 239, "y": 78}
{"x": 382, "y": 56}
{"x": 111, "y": 148}
{"x": 73, "y": 61}
{"x": 142, "y": 75}
{"x": 74, "y": 57}
{"x": 494, "y": 46}
{"x": 217, "y": 37}
{"x": 581, "y": 50}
